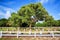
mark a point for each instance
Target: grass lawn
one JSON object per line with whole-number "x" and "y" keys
{"x": 27, "y": 29}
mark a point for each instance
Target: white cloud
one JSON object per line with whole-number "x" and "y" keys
{"x": 5, "y": 15}
{"x": 8, "y": 3}
{"x": 59, "y": 14}
{"x": 6, "y": 8}
{"x": 1, "y": 13}
{"x": 7, "y": 12}
{"x": 42, "y": 1}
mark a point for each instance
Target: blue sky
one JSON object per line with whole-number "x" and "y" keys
{"x": 9, "y": 6}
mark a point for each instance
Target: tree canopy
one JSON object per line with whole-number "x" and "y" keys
{"x": 29, "y": 14}
{"x": 32, "y": 13}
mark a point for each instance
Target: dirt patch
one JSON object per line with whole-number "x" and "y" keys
{"x": 30, "y": 38}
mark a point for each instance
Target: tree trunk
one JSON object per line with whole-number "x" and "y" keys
{"x": 30, "y": 25}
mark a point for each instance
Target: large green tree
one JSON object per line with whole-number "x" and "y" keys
{"x": 29, "y": 14}
{"x": 32, "y": 12}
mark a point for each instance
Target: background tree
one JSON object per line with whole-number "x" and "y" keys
{"x": 49, "y": 20}
{"x": 3, "y": 22}
{"x": 14, "y": 20}
{"x": 58, "y": 22}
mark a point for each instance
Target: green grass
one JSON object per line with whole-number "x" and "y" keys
{"x": 27, "y": 29}
{"x": 9, "y": 28}
{"x": 3, "y": 29}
